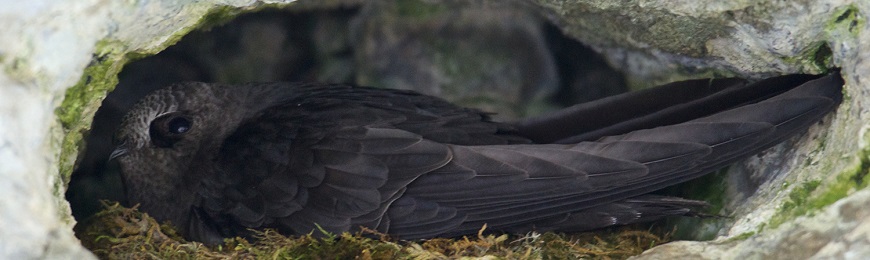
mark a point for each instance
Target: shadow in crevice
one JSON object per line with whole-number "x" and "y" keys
{"x": 294, "y": 45}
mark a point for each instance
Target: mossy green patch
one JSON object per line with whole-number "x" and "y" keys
{"x": 123, "y": 233}
{"x": 101, "y": 75}
{"x": 740, "y": 237}
{"x": 710, "y": 188}
{"x": 798, "y": 197}
{"x": 814, "y": 195}
{"x": 98, "y": 78}
{"x": 816, "y": 58}
{"x": 848, "y": 19}
{"x": 823, "y": 57}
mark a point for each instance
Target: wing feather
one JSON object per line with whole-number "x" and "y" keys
{"x": 418, "y": 167}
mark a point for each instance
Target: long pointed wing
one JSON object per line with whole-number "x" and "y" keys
{"x": 664, "y": 105}
{"x": 508, "y": 187}
{"x": 336, "y": 157}
{"x": 419, "y": 167}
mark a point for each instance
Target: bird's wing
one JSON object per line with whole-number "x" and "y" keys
{"x": 416, "y": 167}
{"x": 507, "y": 187}
{"x": 335, "y": 156}
{"x": 663, "y": 105}
{"x": 643, "y": 208}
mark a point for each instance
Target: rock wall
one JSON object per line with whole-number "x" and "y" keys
{"x": 779, "y": 203}
{"x": 60, "y": 57}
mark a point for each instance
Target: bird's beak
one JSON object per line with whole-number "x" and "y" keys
{"x": 119, "y": 151}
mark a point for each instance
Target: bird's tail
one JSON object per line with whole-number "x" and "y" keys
{"x": 664, "y": 105}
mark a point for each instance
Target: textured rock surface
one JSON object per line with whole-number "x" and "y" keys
{"x": 456, "y": 47}
{"x": 47, "y": 45}
{"x": 778, "y": 202}
{"x": 48, "y": 97}
{"x": 650, "y": 37}
{"x": 840, "y": 231}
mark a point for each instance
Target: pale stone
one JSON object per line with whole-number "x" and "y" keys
{"x": 791, "y": 183}
{"x": 48, "y": 44}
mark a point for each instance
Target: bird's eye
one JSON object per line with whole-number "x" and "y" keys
{"x": 178, "y": 125}
{"x": 168, "y": 129}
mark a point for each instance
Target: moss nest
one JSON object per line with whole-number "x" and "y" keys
{"x": 125, "y": 233}
{"x": 119, "y": 232}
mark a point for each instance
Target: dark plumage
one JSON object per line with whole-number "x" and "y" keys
{"x": 216, "y": 160}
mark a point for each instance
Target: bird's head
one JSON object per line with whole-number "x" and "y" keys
{"x": 164, "y": 136}
{"x": 167, "y": 141}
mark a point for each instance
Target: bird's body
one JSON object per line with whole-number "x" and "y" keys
{"x": 217, "y": 160}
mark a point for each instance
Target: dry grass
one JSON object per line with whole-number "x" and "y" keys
{"x": 124, "y": 233}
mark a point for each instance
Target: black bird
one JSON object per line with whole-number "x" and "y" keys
{"x": 217, "y": 160}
